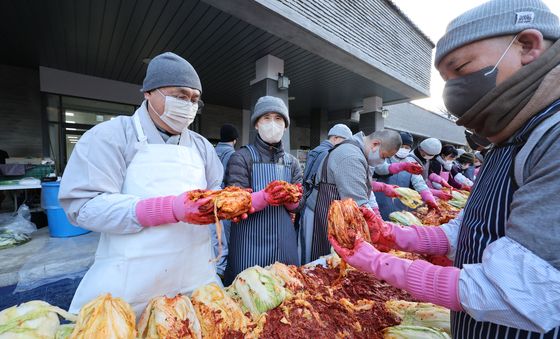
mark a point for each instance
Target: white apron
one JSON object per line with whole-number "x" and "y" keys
{"x": 166, "y": 259}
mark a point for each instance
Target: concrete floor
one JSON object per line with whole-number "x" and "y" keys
{"x": 44, "y": 256}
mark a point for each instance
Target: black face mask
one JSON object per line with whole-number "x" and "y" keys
{"x": 460, "y": 94}
{"x": 475, "y": 141}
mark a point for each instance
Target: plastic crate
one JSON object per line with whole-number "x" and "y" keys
{"x": 39, "y": 171}
{"x": 34, "y": 171}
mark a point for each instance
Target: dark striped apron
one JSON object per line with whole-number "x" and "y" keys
{"x": 484, "y": 221}
{"x": 268, "y": 235}
{"x": 326, "y": 193}
{"x": 388, "y": 205}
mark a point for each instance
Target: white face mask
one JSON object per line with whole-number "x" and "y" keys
{"x": 177, "y": 114}
{"x": 374, "y": 157}
{"x": 271, "y": 131}
{"x": 447, "y": 165}
{"x": 428, "y": 157}
{"x": 402, "y": 153}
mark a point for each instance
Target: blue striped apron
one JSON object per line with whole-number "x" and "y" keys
{"x": 386, "y": 204}
{"x": 484, "y": 222}
{"x": 327, "y": 192}
{"x": 268, "y": 235}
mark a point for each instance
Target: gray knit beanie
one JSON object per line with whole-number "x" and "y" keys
{"x": 496, "y": 18}
{"x": 170, "y": 70}
{"x": 431, "y": 146}
{"x": 340, "y": 130}
{"x": 268, "y": 104}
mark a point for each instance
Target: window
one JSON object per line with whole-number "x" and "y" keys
{"x": 70, "y": 117}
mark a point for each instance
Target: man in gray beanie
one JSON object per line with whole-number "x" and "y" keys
{"x": 344, "y": 173}
{"x": 337, "y": 134}
{"x": 269, "y": 234}
{"x": 127, "y": 178}
{"x": 501, "y": 64}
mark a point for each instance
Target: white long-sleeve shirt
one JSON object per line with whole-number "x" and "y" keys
{"x": 90, "y": 190}
{"x": 512, "y": 286}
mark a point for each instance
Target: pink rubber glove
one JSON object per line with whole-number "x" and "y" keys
{"x": 424, "y": 281}
{"x": 171, "y": 209}
{"x": 441, "y": 194}
{"x": 437, "y": 179}
{"x": 262, "y": 199}
{"x": 429, "y": 199}
{"x": 259, "y": 201}
{"x": 410, "y": 167}
{"x": 292, "y": 207}
{"x": 416, "y": 239}
{"x": 376, "y": 211}
{"x": 388, "y": 190}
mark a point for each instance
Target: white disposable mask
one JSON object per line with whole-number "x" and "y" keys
{"x": 271, "y": 131}
{"x": 402, "y": 153}
{"x": 177, "y": 114}
{"x": 374, "y": 158}
{"x": 447, "y": 165}
{"x": 428, "y": 157}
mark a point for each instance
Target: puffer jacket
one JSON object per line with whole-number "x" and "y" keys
{"x": 239, "y": 168}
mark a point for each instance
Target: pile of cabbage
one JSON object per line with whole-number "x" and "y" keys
{"x": 211, "y": 312}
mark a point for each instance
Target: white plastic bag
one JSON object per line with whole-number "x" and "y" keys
{"x": 19, "y": 222}
{"x": 15, "y": 228}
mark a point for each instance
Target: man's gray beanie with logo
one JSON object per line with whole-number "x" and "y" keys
{"x": 497, "y": 18}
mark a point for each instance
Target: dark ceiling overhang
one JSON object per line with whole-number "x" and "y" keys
{"x": 111, "y": 38}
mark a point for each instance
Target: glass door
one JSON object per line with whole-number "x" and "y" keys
{"x": 68, "y": 118}
{"x": 79, "y": 115}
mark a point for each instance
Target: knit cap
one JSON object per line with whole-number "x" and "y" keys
{"x": 406, "y": 138}
{"x": 497, "y": 18}
{"x": 432, "y": 146}
{"x": 340, "y": 130}
{"x": 170, "y": 70}
{"x": 268, "y": 104}
{"x": 228, "y": 133}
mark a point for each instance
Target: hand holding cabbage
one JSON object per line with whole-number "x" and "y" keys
{"x": 346, "y": 223}
{"x": 278, "y": 193}
{"x": 206, "y": 206}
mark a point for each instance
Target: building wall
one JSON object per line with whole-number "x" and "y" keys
{"x": 20, "y": 112}
{"x": 376, "y": 28}
{"x": 87, "y": 86}
{"x": 419, "y": 121}
{"x": 299, "y": 136}
{"x": 214, "y": 116}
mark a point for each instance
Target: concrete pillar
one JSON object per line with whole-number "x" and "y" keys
{"x": 246, "y": 127}
{"x": 267, "y": 70}
{"x": 319, "y": 124}
{"x": 371, "y": 118}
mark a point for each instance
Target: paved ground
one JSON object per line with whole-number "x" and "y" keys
{"x": 41, "y": 263}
